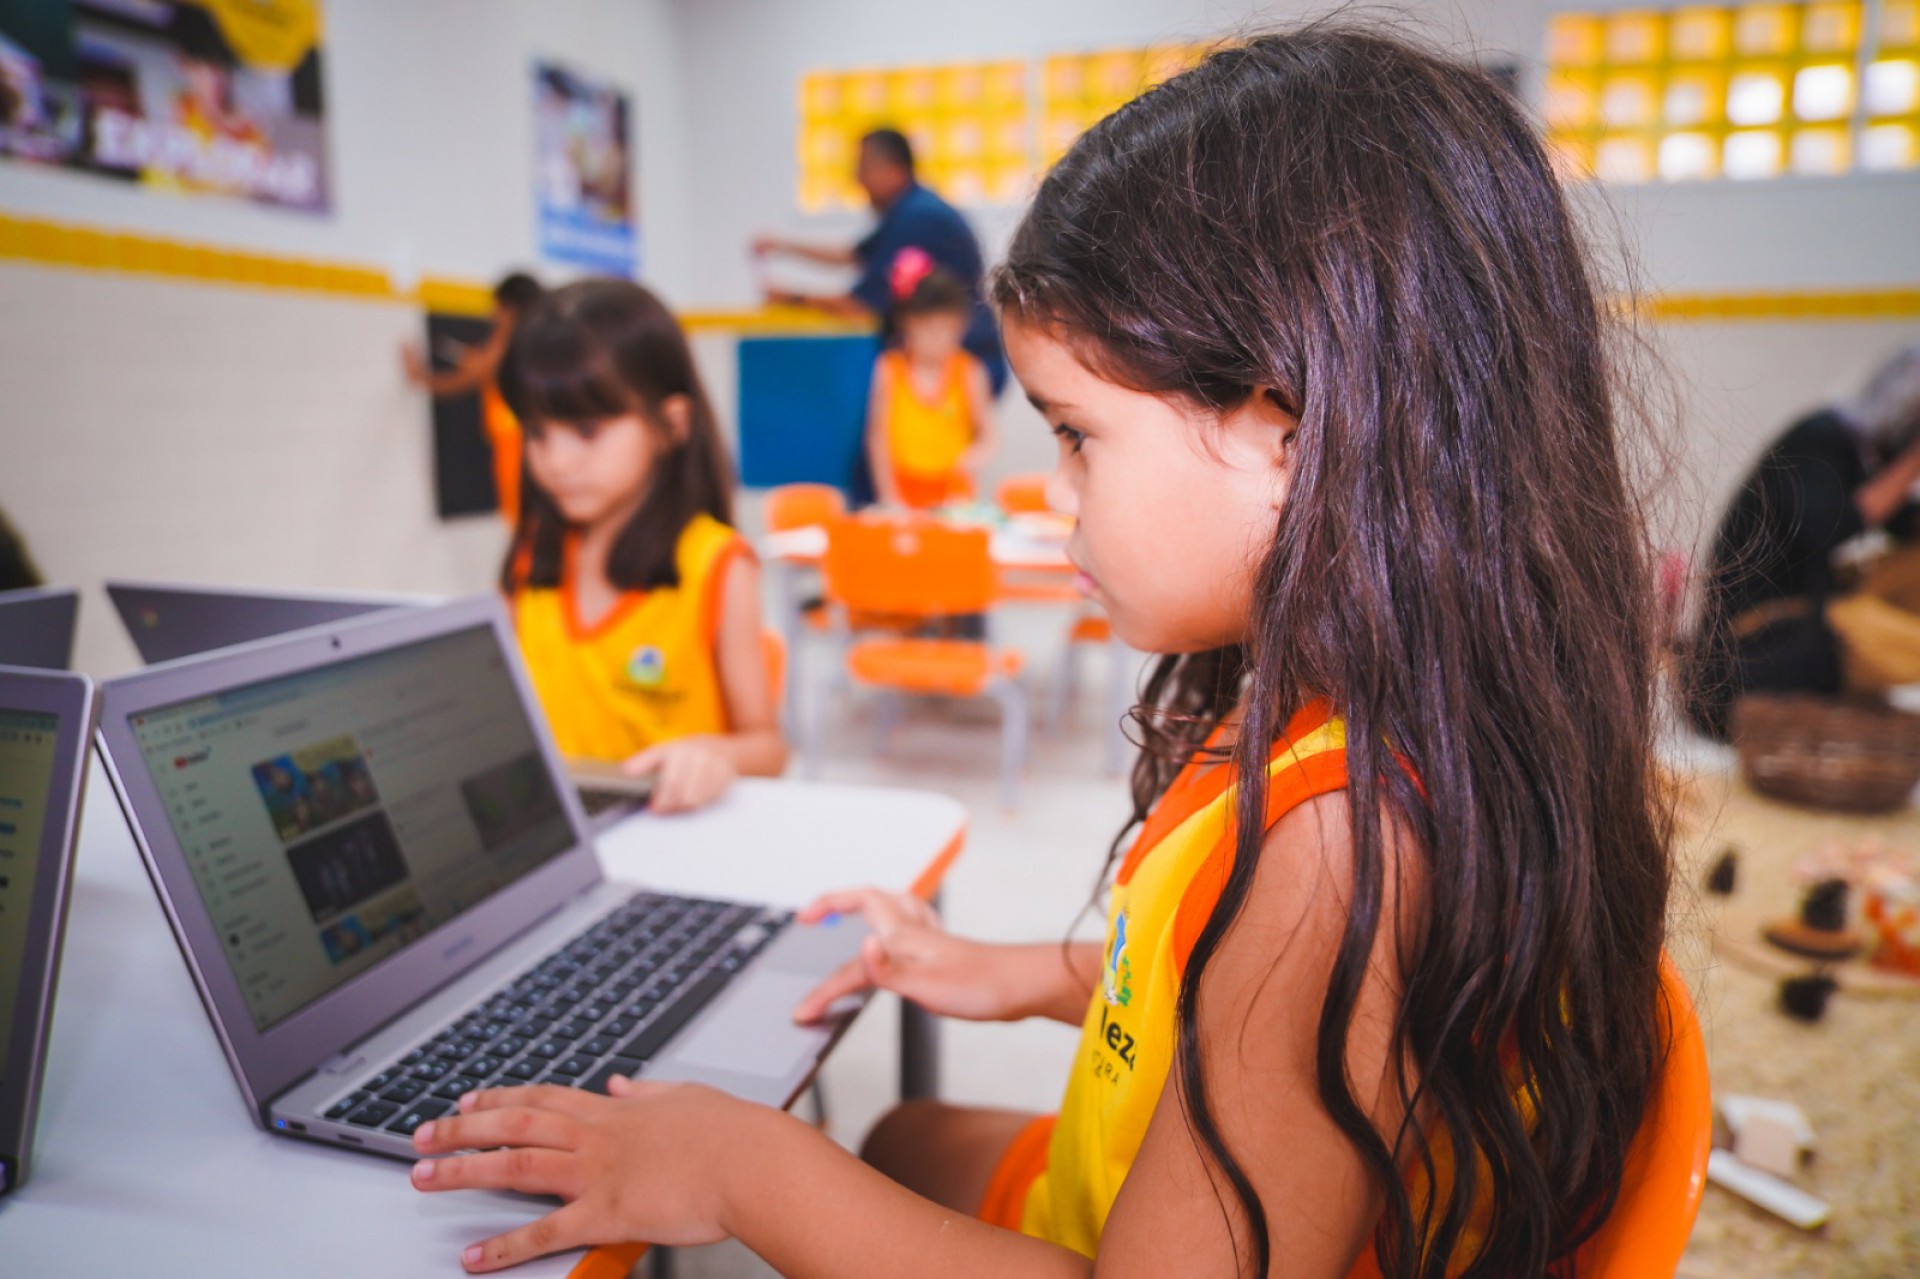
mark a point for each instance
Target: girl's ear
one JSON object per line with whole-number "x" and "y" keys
{"x": 1283, "y": 429}
{"x": 677, "y": 412}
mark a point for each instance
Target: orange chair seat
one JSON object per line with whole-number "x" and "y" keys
{"x": 1094, "y": 628}
{"x": 953, "y": 668}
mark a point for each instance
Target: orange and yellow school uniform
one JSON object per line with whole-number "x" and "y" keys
{"x": 502, "y": 430}
{"x": 646, "y": 672}
{"x": 926, "y": 438}
{"x": 1059, "y": 1178}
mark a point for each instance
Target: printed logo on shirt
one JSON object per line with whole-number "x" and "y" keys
{"x": 648, "y": 666}
{"x": 1116, "y": 976}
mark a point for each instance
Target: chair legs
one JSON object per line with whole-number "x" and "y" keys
{"x": 1015, "y": 734}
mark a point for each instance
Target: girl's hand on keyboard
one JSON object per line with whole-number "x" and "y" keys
{"x": 691, "y": 772}
{"x": 648, "y": 1162}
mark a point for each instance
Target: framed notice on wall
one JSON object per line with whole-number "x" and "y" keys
{"x": 218, "y": 98}
{"x": 583, "y": 172}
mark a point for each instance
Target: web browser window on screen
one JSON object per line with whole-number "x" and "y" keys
{"x": 28, "y": 740}
{"x": 331, "y": 817}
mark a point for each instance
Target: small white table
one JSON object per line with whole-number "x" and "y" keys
{"x": 146, "y": 1163}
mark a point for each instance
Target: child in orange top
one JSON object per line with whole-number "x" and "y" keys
{"x": 1379, "y": 990}
{"x": 636, "y": 606}
{"x": 930, "y": 415}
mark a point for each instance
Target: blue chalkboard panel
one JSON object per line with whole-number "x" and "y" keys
{"x": 803, "y": 408}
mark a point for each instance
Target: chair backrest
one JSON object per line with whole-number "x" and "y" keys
{"x": 794, "y": 506}
{"x": 1023, "y": 495}
{"x": 1666, "y": 1171}
{"x": 911, "y": 566}
{"x": 773, "y": 649}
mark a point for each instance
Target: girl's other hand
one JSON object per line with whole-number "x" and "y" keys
{"x": 911, "y": 953}
{"x": 691, "y": 773}
{"x": 413, "y": 363}
{"x": 647, "y": 1162}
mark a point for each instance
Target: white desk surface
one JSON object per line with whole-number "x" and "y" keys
{"x": 1010, "y": 548}
{"x": 146, "y": 1162}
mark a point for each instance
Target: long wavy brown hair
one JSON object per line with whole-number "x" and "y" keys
{"x": 1375, "y": 233}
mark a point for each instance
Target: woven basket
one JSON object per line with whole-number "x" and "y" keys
{"x": 1847, "y": 756}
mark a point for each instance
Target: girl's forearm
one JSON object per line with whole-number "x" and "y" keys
{"x": 1047, "y": 979}
{"x": 809, "y": 1208}
{"x": 756, "y": 752}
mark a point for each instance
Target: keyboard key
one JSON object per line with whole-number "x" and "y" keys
{"x": 341, "y": 1109}
{"x": 575, "y": 1065}
{"x": 598, "y": 1046}
{"x": 574, "y": 1028}
{"x": 511, "y": 1046}
{"x": 549, "y": 1048}
{"x": 453, "y": 1087}
{"x": 597, "y": 1082}
{"x": 380, "y": 1080}
{"x": 481, "y": 1067}
{"x": 619, "y": 1027}
{"x": 374, "y": 1113}
{"x": 418, "y": 1113}
{"x": 405, "y": 1090}
{"x": 431, "y": 1069}
{"x": 526, "y": 1068}
{"x": 670, "y": 1019}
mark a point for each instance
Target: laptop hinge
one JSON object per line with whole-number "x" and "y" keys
{"x": 346, "y": 1063}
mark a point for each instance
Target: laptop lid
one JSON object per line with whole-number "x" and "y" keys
{"x": 45, "y": 720}
{"x": 36, "y": 627}
{"x": 171, "y": 620}
{"x": 341, "y": 821}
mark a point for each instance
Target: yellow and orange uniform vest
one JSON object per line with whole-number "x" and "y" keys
{"x": 926, "y": 438}
{"x": 1058, "y": 1179}
{"x": 502, "y": 429}
{"x": 646, "y": 672}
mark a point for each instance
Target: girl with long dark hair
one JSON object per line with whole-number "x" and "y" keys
{"x": 1380, "y": 988}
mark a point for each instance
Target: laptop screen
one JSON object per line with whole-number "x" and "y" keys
{"x": 333, "y": 816}
{"x": 29, "y": 742}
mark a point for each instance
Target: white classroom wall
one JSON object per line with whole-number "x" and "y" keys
{"x": 165, "y": 429}
{"x": 157, "y": 428}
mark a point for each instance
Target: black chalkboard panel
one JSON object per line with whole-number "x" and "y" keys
{"x": 462, "y": 458}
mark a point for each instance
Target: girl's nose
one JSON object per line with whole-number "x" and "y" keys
{"x": 1060, "y": 494}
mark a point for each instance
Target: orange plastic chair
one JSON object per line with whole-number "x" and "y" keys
{"x": 773, "y": 648}
{"x": 1666, "y": 1169}
{"x": 918, "y": 568}
{"x": 1023, "y": 494}
{"x": 793, "y": 506}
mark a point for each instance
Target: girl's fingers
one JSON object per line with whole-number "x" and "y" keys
{"x": 844, "y": 901}
{"x": 647, "y": 761}
{"x": 849, "y": 979}
{"x": 485, "y": 1129}
{"x": 530, "y": 1170}
{"x": 559, "y": 1230}
{"x": 565, "y": 1101}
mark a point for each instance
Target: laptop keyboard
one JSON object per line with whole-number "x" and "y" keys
{"x": 602, "y": 1005}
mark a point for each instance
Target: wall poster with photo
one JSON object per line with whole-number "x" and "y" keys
{"x": 583, "y": 172}
{"x": 203, "y": 97}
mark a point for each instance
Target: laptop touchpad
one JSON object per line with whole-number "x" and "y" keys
{"x": 752, "y": 1031}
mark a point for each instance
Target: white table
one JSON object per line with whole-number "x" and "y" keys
{"x": 146, "y": 1162}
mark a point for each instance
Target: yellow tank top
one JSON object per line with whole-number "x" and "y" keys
{"x": 1162, "y": 896}
{"x": 927, "y": 437}
{"x": 644, "y": 673}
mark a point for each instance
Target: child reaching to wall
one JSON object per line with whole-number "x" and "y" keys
{"x": 930, "y": 414}
{"x": 637, "y": 606}
{"x": 1380, "y": 990}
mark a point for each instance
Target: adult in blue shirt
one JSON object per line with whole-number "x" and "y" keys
{"x": 911, "y": 216}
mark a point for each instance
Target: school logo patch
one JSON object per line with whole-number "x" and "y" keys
{"x": 1116, "y": 975}
{"x": 647, "y": 667}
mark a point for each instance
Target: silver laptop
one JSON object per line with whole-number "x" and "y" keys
{"x": 168, "y": 620}
{"x": 364, "y": 843}
{"x": 45, "y": 720}
{"x": 36, "y": 627}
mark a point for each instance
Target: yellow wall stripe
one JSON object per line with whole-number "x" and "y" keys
{"x": 48, "y": 243}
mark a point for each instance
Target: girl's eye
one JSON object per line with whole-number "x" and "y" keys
{"x": 586, "y": 430}
{"x": 1069, "y": 436}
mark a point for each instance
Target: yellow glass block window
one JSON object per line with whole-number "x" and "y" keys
{"x": 1625, "y": 158}
{"x": 1823, "y": 91}
{"x": 1574, "y": 40}
{"x": 1629, "y": 101}
{"x": 1758, "y": 95}
{"x": 1635, "y": 37}
{"x": 1700, "y": 35}
{"x": 1886, "y": 148}
{"x": 1892, "y": 87}
{"x": 1753, "y": 153}
{"x": 1694, "y": 96}
{"x": 968, "y": 123}
{"x": 1831, "y": 27}
{"x": 1686, "y": 157}
{"x": 1571, "y": 100}
{"x": 1765, "y": 30}
{"x": 1820, "y": 152}
{"x": 1079, "y": 89}
{"x": 1899, "y": 25}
